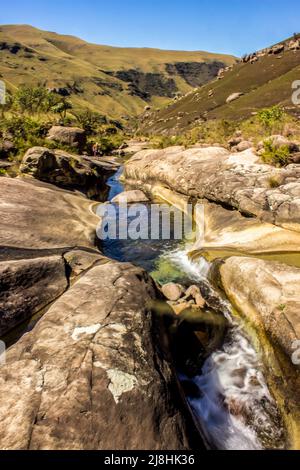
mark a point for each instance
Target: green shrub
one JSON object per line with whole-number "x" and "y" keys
{"x": 3, "y": 172}
{"x": 276, "y": 156}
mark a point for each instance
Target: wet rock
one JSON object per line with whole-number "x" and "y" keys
{"x": 27, "y": 286}
{"x": 72, "y": 136}
{"x": 88, "y": 375}
{"x": 130, "y": 197}
{"x": 237, "y": 180}
{"x": 198, "y": 333}
{"x": 172, "y": 291}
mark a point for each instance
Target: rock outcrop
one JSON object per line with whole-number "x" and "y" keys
{"x": 237, "y": 180}
{"x": 71, "y": 171}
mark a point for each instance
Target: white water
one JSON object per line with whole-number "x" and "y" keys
{"x": 231, "y": 399}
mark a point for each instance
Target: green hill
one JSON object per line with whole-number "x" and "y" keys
{"x": 115, "y": 81}
{"x": 263, "y": 79}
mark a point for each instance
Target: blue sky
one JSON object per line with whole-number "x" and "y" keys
{"x": 227, "y": 26}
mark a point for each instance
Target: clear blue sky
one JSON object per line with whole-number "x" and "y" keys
{"x": 227, "y": 26}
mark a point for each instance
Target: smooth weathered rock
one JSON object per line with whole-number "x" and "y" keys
{"x": 72, "y": 136}
{"x": 27, "y": 286}
{"x": 238, "y": 180}
{"x": 267, "y": 293}
{"x": 234, "y": 97}
{"x": 130, "y": 197}
{"x": 172, "y": 291}
{"x": 88, "y": 376}
{"x": 66, "y": 170}
{"x": 39, "y": 216}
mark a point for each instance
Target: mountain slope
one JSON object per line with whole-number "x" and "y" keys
{"x": 112, "y": 80}
{"x": 264, "y": 79}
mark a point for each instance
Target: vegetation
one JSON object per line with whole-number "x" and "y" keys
{"x": 89, "y": 79}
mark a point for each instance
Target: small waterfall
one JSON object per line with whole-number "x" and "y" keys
{"x": 230, "y": 397}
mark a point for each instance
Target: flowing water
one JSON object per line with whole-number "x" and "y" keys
{"x": 229, "y": 396}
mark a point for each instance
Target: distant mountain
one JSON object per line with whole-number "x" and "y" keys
{"x": 259, "y": 80}
{"x": 111, "y": 80}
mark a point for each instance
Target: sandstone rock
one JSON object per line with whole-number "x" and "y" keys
{"x": 66, "y": 170}
{"x": 130, "y": 197}
{"x": 172, "y": 291}
{"x": 39, "y": 216}
{"x": 271, "y": 300}
{"x": 243, "y": 145}
{"x": 27, "y": 286}
{"x": 6, "y": 147}
{"x": 133, "y": 146}
{"x": 72, "y": 136}
{"x": 279, "y": 141}
{"x": 88, "y": 376}
{"x": 233, "y": 97}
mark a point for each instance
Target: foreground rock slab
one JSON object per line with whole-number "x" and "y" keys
{"x": 88, "y": 376}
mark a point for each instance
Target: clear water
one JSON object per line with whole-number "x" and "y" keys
{"x": 229, "y": 397}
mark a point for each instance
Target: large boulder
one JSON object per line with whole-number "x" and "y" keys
{"x": 237, "y": 180}
{"x": 66, "y": 170}
{"x": 72, "y": 136}
{"x": 88, "y": 376}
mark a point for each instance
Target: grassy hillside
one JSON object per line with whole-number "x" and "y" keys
{"x": 118, "y": 82}
{"x": 264, "y": 82}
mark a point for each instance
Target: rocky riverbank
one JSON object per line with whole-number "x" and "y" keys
{"x": 90, "y": 368}
{"x": 245, "y": 213}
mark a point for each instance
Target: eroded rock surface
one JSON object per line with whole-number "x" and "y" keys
{"x": 237, "y": 180}
{"x": 63, "y": 169}
{"x": 267, "y": 294}
{"x": 88, "y": 375}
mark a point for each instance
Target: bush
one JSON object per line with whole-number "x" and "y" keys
{"x": 269, "y": 117}
{"x": 276, "y": 156}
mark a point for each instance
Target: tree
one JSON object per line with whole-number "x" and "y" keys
{"x": 61, "y": 108}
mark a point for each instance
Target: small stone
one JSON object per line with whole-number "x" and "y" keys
{"x": 172, "y": 291}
